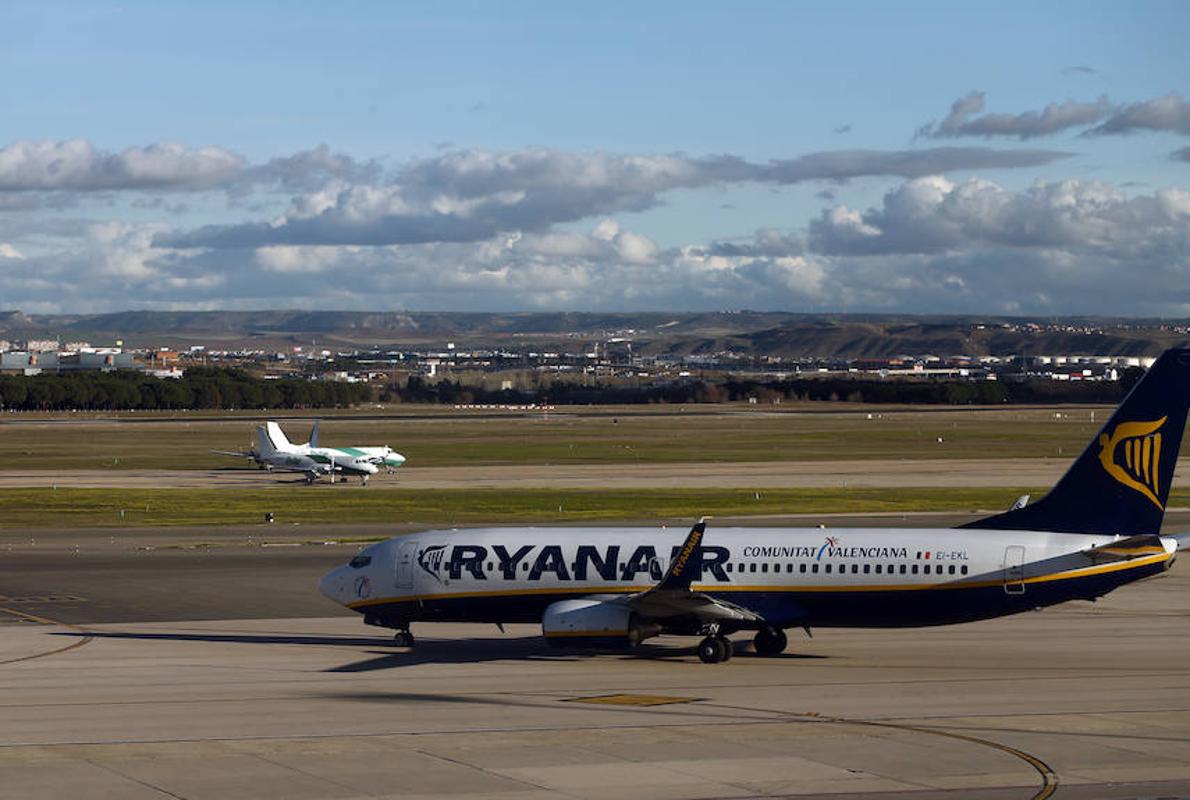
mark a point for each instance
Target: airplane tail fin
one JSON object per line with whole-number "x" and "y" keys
{"x": 1121, "y": 482}
{"x": 280, "y": 441}
{"x": 270, "y": 439}
{"x": 314, "y": 433}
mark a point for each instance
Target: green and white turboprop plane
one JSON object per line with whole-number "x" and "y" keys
{"x": 382, "y": 456}
{"x": 274, "y": 451}
{"x": 279, "y": 453}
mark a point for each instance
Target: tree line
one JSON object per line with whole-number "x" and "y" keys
{"x": 200, "y": 387}
{"x": 930, "y": 391}
{"x": 216, "y": 388}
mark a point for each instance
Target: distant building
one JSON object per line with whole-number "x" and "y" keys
{"x": 104, "y": 359}
{"x": 23, "y": 362}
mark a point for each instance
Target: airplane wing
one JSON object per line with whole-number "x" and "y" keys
{"x": 252, "y": 454}
{"x": 673, "y": 598}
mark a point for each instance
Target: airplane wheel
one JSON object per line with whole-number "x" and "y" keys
{"x": 714, "y": 649}
{"x": 403, "y": 639}
{"x": 770, "y": 642}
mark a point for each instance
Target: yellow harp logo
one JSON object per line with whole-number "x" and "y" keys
{"x": 1138, "y": 444}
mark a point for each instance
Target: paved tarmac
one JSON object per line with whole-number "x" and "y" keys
{"x": 218, "y": 672}
{"x": 873, "y": 473}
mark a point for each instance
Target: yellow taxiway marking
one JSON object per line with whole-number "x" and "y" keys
{"x": 44, "y": 621}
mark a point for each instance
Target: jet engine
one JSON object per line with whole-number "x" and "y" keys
{"x": 594, "y": 622}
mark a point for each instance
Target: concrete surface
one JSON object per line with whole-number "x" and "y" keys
{"x": 873, "y": 473}
{"x": 138, "y": 698}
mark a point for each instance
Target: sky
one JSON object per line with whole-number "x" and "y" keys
{"x": 1000, "y": 158}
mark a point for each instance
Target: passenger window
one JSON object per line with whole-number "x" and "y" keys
{"x": 828, "y": 568}
{"x": 764, "y": 567}
{"x": 525, "y": 567}
{"x": 802, "y": 568}
{"x": 751, "y": 567}
{"x": 814, "y": 568}
{"x": 789, "y": 567}
{"x": 964, "y": 569}
{"x": 489, "y": 566}
{"x": 914, "y": 569}
{"x": 867, "y": 568}
{"x": 728, "y": 566}
{"x": 879, "y": 568}
{"x": 855, "y": 569}
{"x": 902, "y": 569}
{"x": 951, "y": 570}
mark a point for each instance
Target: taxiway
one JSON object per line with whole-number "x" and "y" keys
{"x": 150, "y": 667}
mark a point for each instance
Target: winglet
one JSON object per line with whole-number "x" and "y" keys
{"x": 687, "y": 564}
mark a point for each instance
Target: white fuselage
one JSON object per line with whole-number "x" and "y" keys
{"x": 867, "y": 577}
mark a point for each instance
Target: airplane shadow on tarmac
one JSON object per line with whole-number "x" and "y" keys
{"x": 431, "y": 651}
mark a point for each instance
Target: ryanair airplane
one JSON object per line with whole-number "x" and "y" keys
{"x": 1098, "y": 529}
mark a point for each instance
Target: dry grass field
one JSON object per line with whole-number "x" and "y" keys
{"x": 711, "y": 439}
{"x": 660, "y": 434}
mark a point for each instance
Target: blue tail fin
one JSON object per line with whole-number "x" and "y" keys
{"x": 1120, "y": 484}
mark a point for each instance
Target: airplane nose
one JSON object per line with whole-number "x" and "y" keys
{"x": 331, "y": 585}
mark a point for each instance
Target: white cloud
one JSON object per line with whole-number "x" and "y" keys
{"x": 933, "y": 214}
{"x": 75, "y": 165}
{"x": 474, "y": 195}
{"x": 1170, "y": 112}
{"x": 1054, "y": 118}
{"x": 10, "y": 252}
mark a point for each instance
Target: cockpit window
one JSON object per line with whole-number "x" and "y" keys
{"x": 359, "y": 562}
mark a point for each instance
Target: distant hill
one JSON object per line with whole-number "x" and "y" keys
{"x": 779, "y": 334}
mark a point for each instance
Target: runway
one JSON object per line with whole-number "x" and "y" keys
{"x": 869, "y": 473}
{"x": 218, "y": 672}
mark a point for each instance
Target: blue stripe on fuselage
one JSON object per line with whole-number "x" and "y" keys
{"x": 868, "y": 608}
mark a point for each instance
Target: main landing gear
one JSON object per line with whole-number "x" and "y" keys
{"x": 403, "y": 638}
{"x": 715, "y": 649}
{"x": 770, "y": 642}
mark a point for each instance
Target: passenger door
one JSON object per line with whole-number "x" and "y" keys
{"x": 406, "y": 557}
{"x": 1014, "y": 569}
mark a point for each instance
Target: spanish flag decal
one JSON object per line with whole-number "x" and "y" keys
{"x": 1132, "y": 455}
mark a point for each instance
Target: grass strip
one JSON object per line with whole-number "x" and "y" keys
{"x": 115, "y": 508}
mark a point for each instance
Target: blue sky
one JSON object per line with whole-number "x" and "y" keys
{"x": 482, "y": 156}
